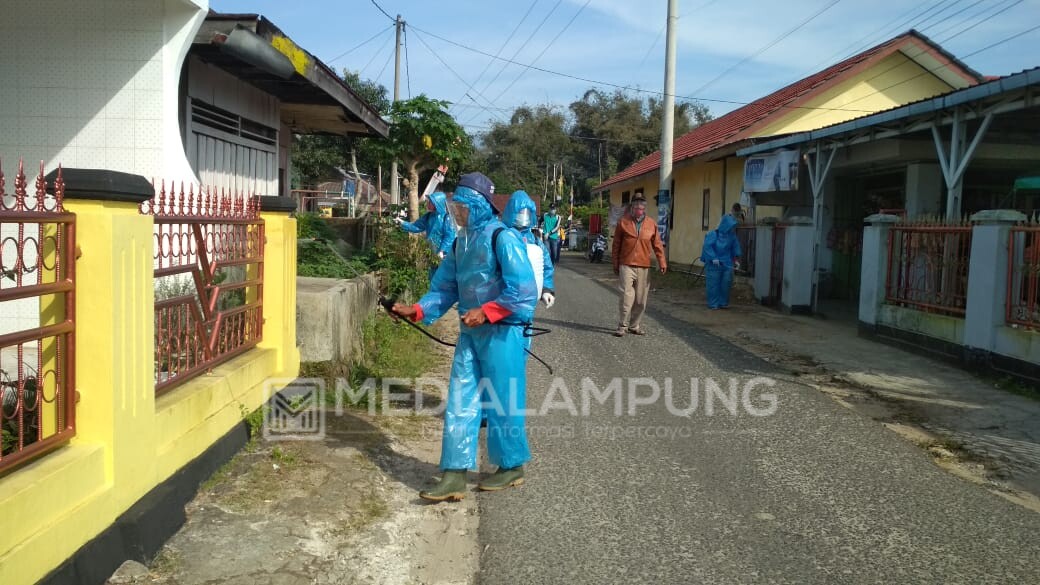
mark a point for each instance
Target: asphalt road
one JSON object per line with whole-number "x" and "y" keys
{"x": 811, "y": 493}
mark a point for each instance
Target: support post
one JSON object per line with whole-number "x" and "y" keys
{"x": 664, "y": 190}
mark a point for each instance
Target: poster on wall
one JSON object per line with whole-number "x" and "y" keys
{"x": 777, "y": 171}
{"x": 664, "y": 208}
{"x": 616, "y": 211}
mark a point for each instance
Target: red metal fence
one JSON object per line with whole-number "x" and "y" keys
{"x": 928, "y": 268}
{"x": 37, "y": 313}
{"x": 209, "y": 263}
{"x": 1023, "y": 276}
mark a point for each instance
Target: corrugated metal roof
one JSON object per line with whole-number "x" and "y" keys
{"x": 735, "y": 126}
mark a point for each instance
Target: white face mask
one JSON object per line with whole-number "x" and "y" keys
{"x": 523, "y": 219}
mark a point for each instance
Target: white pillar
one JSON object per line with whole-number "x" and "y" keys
{"x": 799, "y": 247}
{"x": 987, "y": 277}
{"x": 924, "y": 186}
{"x": 874, "y": 267}
{"x": 763, "y": 256}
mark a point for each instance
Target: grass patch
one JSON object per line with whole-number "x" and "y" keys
{"x": 1016, "y": 386}
{"x": 389, "y": 350}
{"x": 219, "y": 476}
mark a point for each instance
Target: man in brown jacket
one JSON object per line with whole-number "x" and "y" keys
{"x": 633, "y": 238}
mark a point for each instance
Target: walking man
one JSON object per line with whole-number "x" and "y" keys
{"x": 634, "y": 237}
{"x": 551, "y": 233}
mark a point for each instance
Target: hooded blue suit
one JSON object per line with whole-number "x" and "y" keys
{"x": 440, "y": 230}
{"x": 490, "y": 358}
{"x": 720, "y": 244}
{"x": 520, "y": 201}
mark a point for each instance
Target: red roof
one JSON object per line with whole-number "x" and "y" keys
{"x": 742, "y": 122}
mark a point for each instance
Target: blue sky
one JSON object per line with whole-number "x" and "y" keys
{"x": 757, "y": 46}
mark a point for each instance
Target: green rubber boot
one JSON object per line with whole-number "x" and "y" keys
{"x": 451, "y": 487}
{"x": 502, "y": 479}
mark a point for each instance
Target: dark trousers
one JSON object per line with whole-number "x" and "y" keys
{"x": 554, "y": 250}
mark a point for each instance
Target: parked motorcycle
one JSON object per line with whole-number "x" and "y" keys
{"x": 598, "y": 248}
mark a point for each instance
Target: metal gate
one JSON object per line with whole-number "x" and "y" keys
{"x": 776, "y": 267}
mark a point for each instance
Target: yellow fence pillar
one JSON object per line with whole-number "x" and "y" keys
{"x": 280, "y": 282}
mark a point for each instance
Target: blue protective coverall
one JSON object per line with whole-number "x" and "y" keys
{"x": 439, "y": 229}
{"x": 490, "y": 358}
{"x": 720, "y": 245}
{"x": 518, "y": 202}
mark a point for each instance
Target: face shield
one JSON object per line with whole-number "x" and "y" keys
{"x": 522, "y": 221}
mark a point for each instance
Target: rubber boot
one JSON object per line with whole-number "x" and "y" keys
{"x": 502, "y": 479}
{"x": 451, "y": 487}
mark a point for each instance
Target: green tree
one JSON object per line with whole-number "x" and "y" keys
{"x": 516, "y": 155}
{"x": 313, "y": 155}
{"x": 422, "y": 136}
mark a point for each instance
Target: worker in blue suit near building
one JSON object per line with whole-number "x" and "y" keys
{"x": 720, "y": 253}
{"x": 439, "y": 229}
{"x": 488, "y": 274}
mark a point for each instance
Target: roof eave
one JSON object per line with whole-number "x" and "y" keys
{"x": 310, "y": 109}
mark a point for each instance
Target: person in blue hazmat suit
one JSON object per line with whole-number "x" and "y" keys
{"x": 491, "y": 279}
{"x": 520, "y": 215}
{"x": 720, "y": 253}
{"x": 439, "y": 229}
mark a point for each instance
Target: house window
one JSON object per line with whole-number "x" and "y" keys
{"x": 705, "y": 205}
{"x": 625, "y": 198}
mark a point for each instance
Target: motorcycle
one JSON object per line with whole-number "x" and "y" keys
{"x": 598, "y": 248}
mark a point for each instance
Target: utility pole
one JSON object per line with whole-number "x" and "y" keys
{"x": 664, "y": 189}
{"x": 395, "y": 191}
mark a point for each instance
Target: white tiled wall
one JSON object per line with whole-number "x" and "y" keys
{"x": 91, "y": 84}
{"x": 85, "y": 83}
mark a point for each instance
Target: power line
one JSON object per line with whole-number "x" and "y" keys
{"x": 385, "y": 65}
{"x": 459, "y": 77}
{"x": 767, "y": 47}
{"x": 957, "y": 24}
{"x": 619, "y": 86}
{"x": 370, "y": 39}
{"x": 949, "y": 16}
{"x": 376, "y": 4}
{"x": 995, "y": 14}
{"x": 558, "y": 35}
{"x": 661, "y": 32}
{"x": 502, "y": 48}
{"x": 374, "y": 55}
{"x": 530, "y": 37}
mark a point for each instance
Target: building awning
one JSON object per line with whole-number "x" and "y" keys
{"x": 314, "y": 99}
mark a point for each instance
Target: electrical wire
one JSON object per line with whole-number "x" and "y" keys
{"x": 389, "y": 58}
{"x": 991, "y": 16}
{"x": 502, "y": 48}
{"x": 619, "y": 86}
{"x": 530, "y": 37}
{"x": 660, "y": 33}
{"x": 949, "y": 16}
{"x": 768, "y": 46}
{"x": 376, "y": 54}
{"x": 457, "y": 76}
{"x": 376, "y": 4}
{"x": 356, "y": 47}
{"x": 558, "y": 35}
{"x": 953, "y": 26}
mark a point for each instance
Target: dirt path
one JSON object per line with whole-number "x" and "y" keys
{"x": 341, "y": 510}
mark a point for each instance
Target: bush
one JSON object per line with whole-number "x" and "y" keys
{"x": 312, "y": 225}
{"x": 319, "y": 259}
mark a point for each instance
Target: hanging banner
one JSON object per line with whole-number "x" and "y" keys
{"x": 664, "y": 208}
{"x": 777, "y": 171}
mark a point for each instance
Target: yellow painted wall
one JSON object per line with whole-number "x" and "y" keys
{"x": 893, "y": 81}
{"x": 127, "y": 441}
